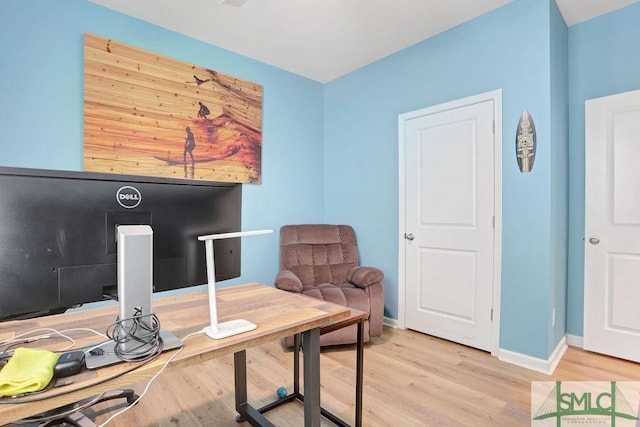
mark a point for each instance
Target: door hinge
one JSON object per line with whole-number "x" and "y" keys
{"x": 492, "y": 314}
{"x": 493, "y": 221}
{"x": 493, "y": 126}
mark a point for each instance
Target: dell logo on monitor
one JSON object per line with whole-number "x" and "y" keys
{"x": 128, "y": 197}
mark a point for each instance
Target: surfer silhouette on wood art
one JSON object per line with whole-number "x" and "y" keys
{"x": 204, "y": 111}
{"x": 189, "y": 145}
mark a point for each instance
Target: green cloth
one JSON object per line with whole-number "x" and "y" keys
{"x": 27, "y": 370}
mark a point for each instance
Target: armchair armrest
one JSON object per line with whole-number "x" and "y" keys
{"x": 288, "y": 281}
{"x": 363, "y": 277}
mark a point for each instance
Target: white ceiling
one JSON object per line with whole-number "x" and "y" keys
{"x": 325, "y": 39}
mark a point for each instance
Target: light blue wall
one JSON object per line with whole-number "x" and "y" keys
{"x": 603, "y": 60}
{"x": 508, "y": 49}
{"x": 41, "y": 110}
{"x": 559, "y": 173}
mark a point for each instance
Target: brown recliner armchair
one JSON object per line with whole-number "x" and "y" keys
{"x": 321, "y": 261}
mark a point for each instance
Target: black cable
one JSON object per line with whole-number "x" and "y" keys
{"x": 136, "y": 337}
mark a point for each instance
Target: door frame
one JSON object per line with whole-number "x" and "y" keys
{"x": 496, "y": 97}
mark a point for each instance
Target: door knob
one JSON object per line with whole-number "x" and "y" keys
{"x": 409, "y": 236}
{"x": 594, "y": 240}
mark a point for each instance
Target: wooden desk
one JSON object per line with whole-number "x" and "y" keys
{"x": 277, "y": 313}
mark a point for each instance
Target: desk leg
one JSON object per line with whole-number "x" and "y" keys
{"x": 359, "y": 372}
{"x": 240, "y": 376}
{"x": 246, "y": 412}
{"x": 311, "y": 352}
{"x": 296, "y": 364}
{"x": 312, "y": 380}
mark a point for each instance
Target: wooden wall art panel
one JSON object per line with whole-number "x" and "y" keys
{"x": 147, "y": 114}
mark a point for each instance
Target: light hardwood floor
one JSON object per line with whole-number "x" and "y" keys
{"x": 411, "y": 379}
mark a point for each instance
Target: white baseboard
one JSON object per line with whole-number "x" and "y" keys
{"x": 535, "y": 364}
{"x": 575, "y": 341}
{"x": 388, "y": 321}
{"x": 546, "y": 367}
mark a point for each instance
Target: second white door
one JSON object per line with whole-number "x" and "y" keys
{"x": 612, "y": 226}
{"x": 449, "y": 209}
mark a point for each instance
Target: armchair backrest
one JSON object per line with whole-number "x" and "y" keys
{"x": 318, "y": 253}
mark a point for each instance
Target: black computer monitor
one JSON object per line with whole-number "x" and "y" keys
{"x": 58, "y": 235}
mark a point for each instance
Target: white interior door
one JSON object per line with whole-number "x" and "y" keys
{"x": 612, "y": 226}
{"x": 449, "y": 210}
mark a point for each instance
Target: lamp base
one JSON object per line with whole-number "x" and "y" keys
{"x": 230, "y": 328}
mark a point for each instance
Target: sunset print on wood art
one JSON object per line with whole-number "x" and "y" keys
{"x": 150, "y": 115}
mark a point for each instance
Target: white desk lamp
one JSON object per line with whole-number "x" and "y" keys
{"x": 232, "y": 327}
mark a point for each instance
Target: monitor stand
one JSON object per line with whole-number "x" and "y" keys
{"x": 135, "y": 287}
